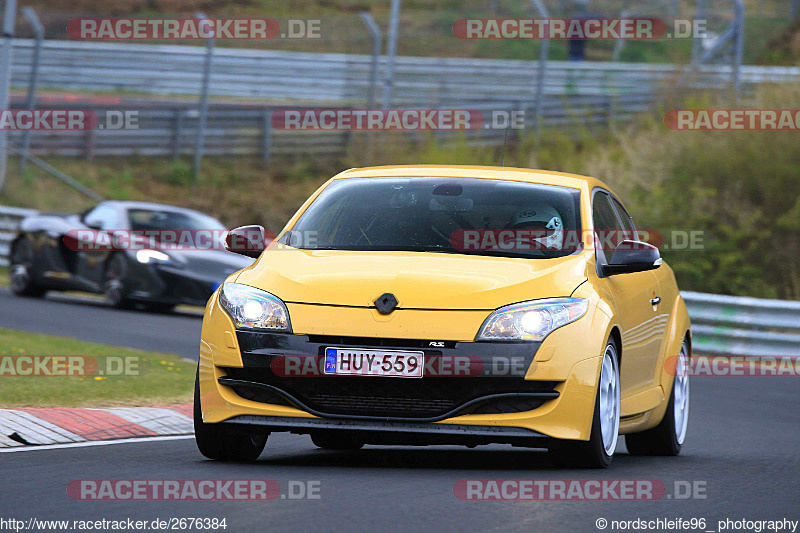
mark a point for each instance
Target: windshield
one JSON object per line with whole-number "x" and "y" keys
{"x": 449, "y": 215}
{"x": 152, "y": 219}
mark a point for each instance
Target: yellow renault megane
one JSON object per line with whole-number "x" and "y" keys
{"x": 448, "y": 305}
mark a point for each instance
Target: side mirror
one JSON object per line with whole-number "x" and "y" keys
{"x": 633, "y": 256}
{"x": 246, "y": 240}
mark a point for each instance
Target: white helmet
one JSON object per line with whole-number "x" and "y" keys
{"x": 543, "y": 218}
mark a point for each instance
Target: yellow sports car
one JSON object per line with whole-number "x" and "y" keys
{"x": 421, "y": 305}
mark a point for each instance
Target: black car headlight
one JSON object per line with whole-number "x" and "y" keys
{"x": 252, "y": 308}
{"x": 533, "y": 320}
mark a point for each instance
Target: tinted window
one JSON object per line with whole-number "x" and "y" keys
{"x": 153, "y": 219}
{"x": 625, "y": 218}
{"x": 607, "y": 227}
{"x": 456, "y": 215}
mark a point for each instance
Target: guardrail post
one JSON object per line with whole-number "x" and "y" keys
{"x": 266, "y": 138}
{"x": 201, "y": 125}
{"x": 375, "y": 32}
{"x": 178, "y": 133}
{"x": 88, "y": 148}
{"x": 5, "y": 79}
{"x": 30, "y": 102}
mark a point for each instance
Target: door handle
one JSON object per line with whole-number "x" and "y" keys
{"x": 655, "y": 301}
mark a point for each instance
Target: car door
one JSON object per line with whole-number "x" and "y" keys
{"x": 642, "y": 330}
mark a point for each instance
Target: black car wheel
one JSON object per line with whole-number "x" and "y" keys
{"x": 218, "y": 442}
{"x": 114, "y": 282}
{"x": 21, "y": 270}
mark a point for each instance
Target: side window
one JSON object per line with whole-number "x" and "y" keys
{"x": 606, "y": 224}
{"x": 626, "y": 219}
{"x": 102, "y": 216}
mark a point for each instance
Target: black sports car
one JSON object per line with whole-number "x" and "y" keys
{"x": 133, "y": 252}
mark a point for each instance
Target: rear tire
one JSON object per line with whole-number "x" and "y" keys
{"x": 21, "y": 270}
{"x": 336, "y": 441}
{"x": 598, "y": 451}
{"x": 218, "y": 442}
{"x": 667, "y": 437}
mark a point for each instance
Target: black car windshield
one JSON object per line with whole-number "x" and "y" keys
{"x": 153, "y": 219}
{"x": 447, "y": 215}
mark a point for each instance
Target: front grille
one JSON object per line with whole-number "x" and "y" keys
{"x": 426, "y": 397}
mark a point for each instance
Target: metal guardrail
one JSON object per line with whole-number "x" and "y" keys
{"x": 732, "y": 325}
{"x": 344, "y": 79}
{"x": 170, "y": 129}
{"x": 573, "y": 93}
{"x": 10, "y": 218}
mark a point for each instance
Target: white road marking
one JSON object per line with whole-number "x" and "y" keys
{"x": 94, "y": 443}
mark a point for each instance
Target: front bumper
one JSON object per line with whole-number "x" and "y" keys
{"x": 239, "y": 385}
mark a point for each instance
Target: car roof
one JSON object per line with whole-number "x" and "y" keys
{"x": 549, "y": 177}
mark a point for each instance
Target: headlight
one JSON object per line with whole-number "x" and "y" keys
{"x": 253, "y": 308}
{"x": 146, "y": 256}
{"x": 532, "y": 320}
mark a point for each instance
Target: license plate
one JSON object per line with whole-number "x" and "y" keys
{"x": 356, "y": 362}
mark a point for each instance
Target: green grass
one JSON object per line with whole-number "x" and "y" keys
{"x": 3, "y": 276}
{"x": 161, "y": 379}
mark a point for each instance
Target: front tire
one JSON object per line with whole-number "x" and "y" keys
{"x": 21, "y": 270}
{"x": 598, "y": 451}
{"x": 667, "y": 437}
{"x": 114, "y": 282}
{"x": 218, "y": 442}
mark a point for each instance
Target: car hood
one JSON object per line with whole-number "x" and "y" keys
{"x": 418, "y": 280}
{"x": 210, "y": 263}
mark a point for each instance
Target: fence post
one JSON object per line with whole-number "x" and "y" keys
{"x": 375, "y": 32}
{"x": 201, "y": 125}
{"x": 30, "y": 103}
{"x": 699, "y": 14}
{"x": 5, "y": 79}
{"x": 266, "y": 139}
{"x": 391, "y": 51}
{"x": 544, "y": 45}
{"x": 738, "y": 47}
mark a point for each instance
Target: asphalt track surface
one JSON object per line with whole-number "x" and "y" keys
{"x": 742, "y": 453}
{"x": 90, "y": 319}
